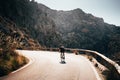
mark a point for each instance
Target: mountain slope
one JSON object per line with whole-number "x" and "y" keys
{"x": 51, "y": 28}
{"x": 32, "y": 20}
{"x": 82, "y": 30}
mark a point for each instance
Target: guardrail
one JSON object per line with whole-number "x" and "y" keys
{"x": 114, "y": 68}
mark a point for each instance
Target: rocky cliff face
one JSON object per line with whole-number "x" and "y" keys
{"x": 11, "y": 37}
{"x": 75, "y": 28}
{"x": 31, "y": 20}
{"x": 82, "y": 30}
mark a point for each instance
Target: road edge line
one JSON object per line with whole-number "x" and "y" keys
{"x": 94, "y": 70}
{"x": 26, "y": 65}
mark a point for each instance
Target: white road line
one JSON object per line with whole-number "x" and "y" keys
{"x": 94, "y": 70}
{"x": 31, "y": 60}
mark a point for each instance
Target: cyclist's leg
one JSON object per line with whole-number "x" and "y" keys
{"x": 63, "y": 55}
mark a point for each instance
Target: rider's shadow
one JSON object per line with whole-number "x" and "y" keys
{"x": 63, "y": 62}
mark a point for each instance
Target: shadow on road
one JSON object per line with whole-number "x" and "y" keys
{"x": 62, "y": 62}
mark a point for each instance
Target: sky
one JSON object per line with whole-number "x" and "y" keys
{"x": 109, "y": 10}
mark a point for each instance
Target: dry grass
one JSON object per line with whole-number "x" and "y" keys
{"x": 10, "y": 62}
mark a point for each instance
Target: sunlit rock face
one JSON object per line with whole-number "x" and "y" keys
{"x": 82, "y": 30}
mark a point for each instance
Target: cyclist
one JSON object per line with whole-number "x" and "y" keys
{"x": 62, "y": 55}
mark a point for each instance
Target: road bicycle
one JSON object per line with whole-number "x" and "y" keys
{"x": 62, "y": 56}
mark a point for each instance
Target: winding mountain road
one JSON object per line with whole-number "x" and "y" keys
{"x": 45, "y": 65}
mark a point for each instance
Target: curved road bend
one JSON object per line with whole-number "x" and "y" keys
{"x": 46, "y": 66}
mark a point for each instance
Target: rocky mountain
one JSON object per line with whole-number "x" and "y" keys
{"x": 31, "y": 20}
{"x": 11, "y": 37}
{"x": 51, "y": 28}
{"x": 82, "y": 30}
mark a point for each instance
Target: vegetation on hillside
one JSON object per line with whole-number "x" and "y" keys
{"x": 12, "y": 38}
{"x": 9, "y": 59}
{"x": 82, "y": 30}
{"x": 29, "y": 25}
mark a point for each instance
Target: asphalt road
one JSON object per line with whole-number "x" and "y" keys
{"x": 46, "y": 65}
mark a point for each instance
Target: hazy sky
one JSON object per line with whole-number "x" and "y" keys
{"x": 109, "y": 10}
